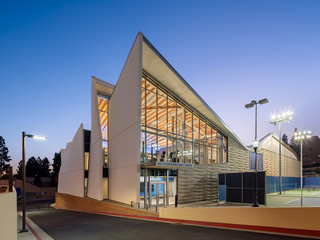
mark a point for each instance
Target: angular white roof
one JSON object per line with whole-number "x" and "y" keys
{"x": 158, "y": 67}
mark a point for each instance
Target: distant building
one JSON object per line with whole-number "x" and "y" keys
{"x": 311, "y": 155}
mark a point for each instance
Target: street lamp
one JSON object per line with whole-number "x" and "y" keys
{"x": 24, "y": 135}
{"x": 278, "y": 119}
{"x": 302, "y": 135}
{"x": 255, "y": 144}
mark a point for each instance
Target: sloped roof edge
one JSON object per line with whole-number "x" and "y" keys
{"x": 227, "y": 130}
{"x": 265, "y": 139}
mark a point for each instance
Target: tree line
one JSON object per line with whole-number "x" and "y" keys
{"x": 38, "y": 168}
{"x": 35, "y": 167}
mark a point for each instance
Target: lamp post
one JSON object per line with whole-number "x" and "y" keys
{"x": 278, "y": 119}
{"x": 24, "y": 135}
{"x": 302, "y": 135}
{"x": 255, "y": 144}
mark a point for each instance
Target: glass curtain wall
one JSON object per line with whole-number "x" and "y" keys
{"x": 172, "y": 132}
{"x": 103, "y": 103}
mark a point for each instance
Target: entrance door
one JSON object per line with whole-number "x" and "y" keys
{"x": 157, "y": 193}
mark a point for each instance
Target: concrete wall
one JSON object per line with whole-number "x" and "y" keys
{"x": 200, "y": 183}
{"x": 290, "y": 166}
{"x": 292, "y": 218}
{"x": 8, "y": 219}
{"x": 95, "y": 185}
{"x": 124, "y": 134}
{"x": 71, "y": 175}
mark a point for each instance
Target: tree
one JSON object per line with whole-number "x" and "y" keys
{"x": 37, "y": 181}
{"x": 4, "y": 158}
{"x": 295, "y": 145}
{"x": 44, "y": 168}
{"x": 285, "y": 138}
{"x": 19, "y": 170}
{"x": 56, "y": 169}
{"x": 56, "y": 164}
{"x": 317, "y": 170}
{"x": 32, "y": 167}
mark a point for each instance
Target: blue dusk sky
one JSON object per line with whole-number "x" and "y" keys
{"x": 230, "y": 52}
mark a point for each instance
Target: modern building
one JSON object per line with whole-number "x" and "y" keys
{"x": 152, "y": 138}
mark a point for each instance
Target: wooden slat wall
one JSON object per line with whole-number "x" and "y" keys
{"x": 200, "y": 183}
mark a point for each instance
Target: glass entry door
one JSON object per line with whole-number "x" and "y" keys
{"x": 157, "y": 193}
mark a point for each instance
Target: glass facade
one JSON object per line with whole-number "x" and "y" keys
{"x": 103, "y": 103}
{"x": 172, "y": 132}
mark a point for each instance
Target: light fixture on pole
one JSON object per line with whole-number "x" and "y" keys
{"x": 300, "y": 136}
{"x": 24, "y": 135}
{"x": 255, "y": 144}
{"x": 278, "y": 119}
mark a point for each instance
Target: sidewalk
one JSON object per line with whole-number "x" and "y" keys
{"x": 33, "y": 233}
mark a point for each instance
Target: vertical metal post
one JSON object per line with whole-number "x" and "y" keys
{"x": 150, "y": 192}
{"x": 145, "y": 188}
{"x": 255, "y": 198}
{"x": 256, "y": 121}
{"x": 176, "y": 196}
{"x": 280, "y": 180}
{"x": 301, "y": 176}
{"x": 24, "y": 183}
{"x": 157, "y": 194}
{"x": 167, "y": 188}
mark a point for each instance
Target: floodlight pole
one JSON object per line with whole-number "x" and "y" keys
{"x": 301, "y": 176}
{"x": 280, "y": 179}
{"x": 278, "y": 119}
{"x": 24, "y": 183}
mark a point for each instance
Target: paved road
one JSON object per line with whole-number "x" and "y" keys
{"x": 60, "y": 224}
{"x": 36, "y": 204}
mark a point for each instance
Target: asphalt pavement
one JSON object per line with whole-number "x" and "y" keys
{"x": 62, "y": 224}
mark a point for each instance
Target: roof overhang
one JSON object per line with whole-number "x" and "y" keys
{"x": 103, "y": 87}
{"x": 154, "y": 64}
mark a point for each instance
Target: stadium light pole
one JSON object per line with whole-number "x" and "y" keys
{"x": 255, "y": 144}
{"x": 278, "y": 119}
{"x": 300, "y": 136}
{"x": 24, "y": 135}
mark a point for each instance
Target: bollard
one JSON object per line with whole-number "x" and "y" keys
{"x": 175, "y": 200}
{"x": 10, "y": 179}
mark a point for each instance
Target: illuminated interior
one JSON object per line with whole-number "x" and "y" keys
{"x": 103, "y": 103}
{"x": 172, "y": 132}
